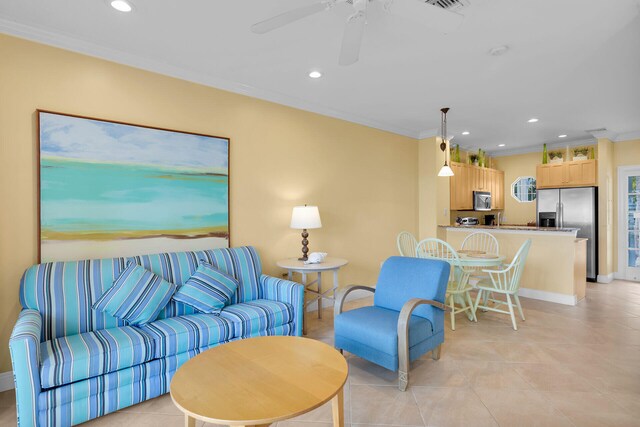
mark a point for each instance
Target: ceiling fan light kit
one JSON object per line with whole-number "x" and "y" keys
{"x": 439, "y": 15}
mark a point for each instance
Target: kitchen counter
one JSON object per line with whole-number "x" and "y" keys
{"x": 517, "y": 228}
{"x": 556, "y": 267}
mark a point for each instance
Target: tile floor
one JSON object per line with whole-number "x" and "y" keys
{"x": 565, "y": 366}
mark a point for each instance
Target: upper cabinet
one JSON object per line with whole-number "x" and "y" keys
{"x": 468, "y": 178}
{"x": 578, "y": 173}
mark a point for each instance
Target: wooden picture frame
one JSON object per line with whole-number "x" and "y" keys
{"x": 108, "y": 188}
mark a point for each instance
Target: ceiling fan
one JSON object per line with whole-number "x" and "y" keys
{"x": 435, "y": 14}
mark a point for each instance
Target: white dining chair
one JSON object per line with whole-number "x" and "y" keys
{"x": 484, "y": 242}
{"x": 481, "y": 241}
{"x": 506, "y": 282}
{"x": 407, "y": 244}
{"x": 458, "y": 287}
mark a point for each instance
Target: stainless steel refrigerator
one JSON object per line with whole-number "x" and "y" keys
{"x": 573, "y": 208}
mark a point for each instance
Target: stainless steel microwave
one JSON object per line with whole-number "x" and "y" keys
{"x": 481, "y": 201}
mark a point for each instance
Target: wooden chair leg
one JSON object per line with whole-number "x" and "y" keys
{"x": 453, "y": 312}
{"x": 515, "y": 296}
{"x": 463, "y": 307}
{"x": 403, "y": 359}
{"x": 478, "y": 298}
{"x": 471, "y": 307}
{"x": 513, "y": 316}
{"x": 435, "y": 353}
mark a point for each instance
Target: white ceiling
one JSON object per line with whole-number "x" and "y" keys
{"x": 574, "y": 64}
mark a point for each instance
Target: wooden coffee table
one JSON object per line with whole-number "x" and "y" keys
{"x": 259, "y": 381}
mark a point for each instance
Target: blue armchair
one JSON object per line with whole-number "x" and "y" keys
{"x": 406, "y": 319}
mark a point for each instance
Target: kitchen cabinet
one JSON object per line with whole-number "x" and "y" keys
{"x": 460, "y": 185}
{"x": 578, "y": 173}
{"x": 468, "y": 178}
{"x": 497, "y": 188}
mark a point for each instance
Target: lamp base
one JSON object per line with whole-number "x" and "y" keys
{"x": 305, "y": 242}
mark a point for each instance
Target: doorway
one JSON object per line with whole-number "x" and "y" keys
{"x": 629, "y": 222}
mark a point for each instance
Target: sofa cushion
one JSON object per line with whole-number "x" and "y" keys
{"x": 137, "y": 296}
{"x": 208, "y": 290}
{"x": 77, "y": 357}
{"x": 243, "y": 263}
{"x": 377, "y": 328}
{"x": 179, "y": 334}
{"x": 250, "y": 318}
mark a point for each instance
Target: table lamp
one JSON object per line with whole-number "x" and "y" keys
{"x": 305, "y": 217}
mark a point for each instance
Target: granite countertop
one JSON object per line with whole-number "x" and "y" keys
{"x": 513, "y": 227}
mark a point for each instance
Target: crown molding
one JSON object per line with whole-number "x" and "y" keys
{"x": 627, "y": 136}
{"x": 429, "y": 133}
{"x": 538, "y": 147}
{"x": 85, "y": 47}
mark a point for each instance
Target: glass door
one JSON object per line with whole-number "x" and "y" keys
{"x": 630, "y": 250}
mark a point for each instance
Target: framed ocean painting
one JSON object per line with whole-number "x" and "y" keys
{"x": 111, "y": 189}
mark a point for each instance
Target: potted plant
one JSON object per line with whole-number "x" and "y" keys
{"x": 545, "y": 155}
{"x": 580, "y": 153}
{"x": 556, "y": 156}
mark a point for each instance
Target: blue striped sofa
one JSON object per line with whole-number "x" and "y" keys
{"x": 72, "y": 363}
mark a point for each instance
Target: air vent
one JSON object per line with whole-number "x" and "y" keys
{"x": 451, "y": 5}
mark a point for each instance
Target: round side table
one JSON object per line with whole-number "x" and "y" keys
{"x": 314, "y": 288}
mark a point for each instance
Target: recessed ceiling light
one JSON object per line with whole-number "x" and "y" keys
{"x": 532, "y": 120}
{"x": 501, "y": 145}
{"x": 315, "y": 74}
{"x": 121, "y": 5}
{"x": 562, "y": 136}
{"x": 466, "y": 132}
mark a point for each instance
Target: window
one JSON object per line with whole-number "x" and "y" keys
{"x": 523, "y": 189}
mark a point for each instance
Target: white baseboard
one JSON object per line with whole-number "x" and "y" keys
{"x": 605, "y": 278}
{"x": 548, "y": 296}
{"x": 358, "y": 294}
{"x": 618, "y": 276}
{"x": 6, "y": 381}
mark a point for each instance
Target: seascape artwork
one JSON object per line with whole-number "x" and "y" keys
{"x": 110, "y": 189}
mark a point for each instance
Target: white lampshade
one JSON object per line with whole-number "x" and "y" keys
{"x": 305, "y": 217}
{"x": 445, "y": 171}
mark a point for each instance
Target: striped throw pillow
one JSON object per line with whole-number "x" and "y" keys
{"x": 137, "y": 296}
{"x": 208, "y": 290}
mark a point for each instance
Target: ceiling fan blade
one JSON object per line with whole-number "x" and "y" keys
{"x": 352, "y": 39}
{"x": 290, "y": 16}
{"x": 426, "y": 14}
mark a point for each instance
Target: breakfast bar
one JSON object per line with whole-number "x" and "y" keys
{"x": 556, "y": 265}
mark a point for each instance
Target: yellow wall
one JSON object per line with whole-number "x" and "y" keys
{"x": 606, "y": 189}
{"x": 626, "y": 153}
{"x": 365, "y": 181}
{"x": 515, "y": 166}
{"x": 433, "y": 190}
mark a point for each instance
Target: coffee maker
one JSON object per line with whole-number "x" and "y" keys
{"x": 489, "y": 219}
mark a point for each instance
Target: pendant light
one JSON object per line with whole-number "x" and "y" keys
{"x": 445, "y": 170}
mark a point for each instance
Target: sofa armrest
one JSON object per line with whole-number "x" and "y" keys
{"x": 285, "y": 291}
{"x": 24, "y": 346}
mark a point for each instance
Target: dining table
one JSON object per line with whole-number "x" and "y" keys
{"x": 476, "y": 260}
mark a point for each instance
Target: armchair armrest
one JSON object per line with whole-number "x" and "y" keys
{"x": 24, "y": 346}
{"x": 285, "y": 291}
{"x": 339, "y": 302}
{"x": 403, "y": 335}
{"x": 500, "y": 278}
